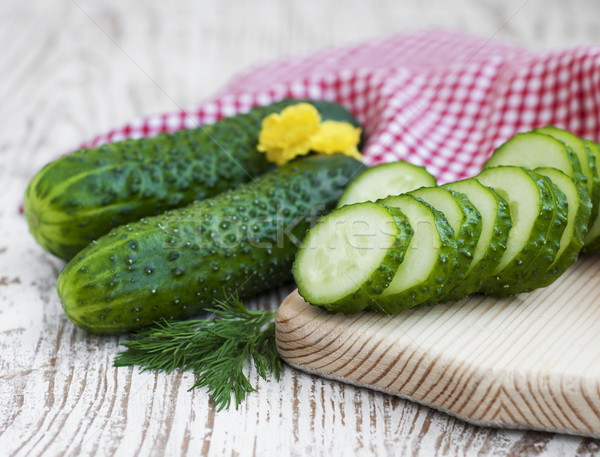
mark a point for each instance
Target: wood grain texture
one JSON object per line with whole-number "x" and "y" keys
{"x": 72, "y": 69}
{"x": 530, "y": 361}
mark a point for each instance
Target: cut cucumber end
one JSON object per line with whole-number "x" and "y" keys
{"x": 531, "y": 209}
{"x": 587, "y": 161}
{"x": 592, "y": 238}
{"x": 532, "y": 150}
{"x": 351, "y": 253}
{"x": 578, "y": 212}
{"x": 430, "y": 256}
{"x": 549, "y": 250}
{"x": 465, "y": 221}
{"x": 486, "y": 203}
{"x": 386, "y": 179}
{"x": 495, "y": 226}
{"x": 517, "y": 187}
{"x": 442, "y": 200}
{"x": 423, "y": 249}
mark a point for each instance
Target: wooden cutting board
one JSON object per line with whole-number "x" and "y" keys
{"x": 531, "y": 361}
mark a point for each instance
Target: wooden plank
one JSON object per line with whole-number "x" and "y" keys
{"x": 68, "y": 75}
{"x": 530, "y": 361}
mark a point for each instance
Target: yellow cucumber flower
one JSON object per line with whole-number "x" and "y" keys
{"x": 298, "y": 130}
{"x": 337, "y": 137}
{"x": 288, "y": 134}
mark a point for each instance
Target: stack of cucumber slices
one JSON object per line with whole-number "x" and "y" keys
{"x": 397, "y": 240}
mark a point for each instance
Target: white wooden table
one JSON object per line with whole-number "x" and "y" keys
{"x": 71, "y": 69}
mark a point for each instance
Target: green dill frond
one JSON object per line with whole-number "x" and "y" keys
{"x": 217, "y": 350}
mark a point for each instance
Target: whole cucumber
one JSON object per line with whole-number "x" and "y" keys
{"x": 82, "y": 196}
{"x": 242, "y": 241}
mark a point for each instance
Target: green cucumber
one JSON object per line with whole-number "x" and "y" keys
{"x": 82, "y": 196}
{"x": 531, "y": 208}
{"x": 550, "y": 249}
{"x": 351, "y": 256}
{"x": 428, "y": 261}
{"x": 173, "y": 265}
{"x": 586, "y": 160}
{"x": 571, "y": 241}
{"x": 466, "y": 224}
{"x": 495, "y": 227}
{"x": 592, "y": 238}
{"x": 386, "y": 179}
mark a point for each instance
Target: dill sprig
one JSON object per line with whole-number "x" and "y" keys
{"x": 217, "y": 350}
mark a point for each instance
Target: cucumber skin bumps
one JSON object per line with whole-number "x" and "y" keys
{"x": 172, "y": 266}
{"x": 82, "y": 196}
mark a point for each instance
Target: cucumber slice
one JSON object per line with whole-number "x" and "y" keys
{"x": 550, "y": 249}
{"x": 531, "y": 208}
{"x": 351, "y": 255}
{"x": 592, "y": 238}
{"x": 496, "y": 224}
{"x": 465, "y": 221}
{"x": 386, "y": 179}
{"x": 578, "y": 203}
{"x": 429, "y": 258}
{"x": 586, "y": 160}
{"x": 532, "y": 150}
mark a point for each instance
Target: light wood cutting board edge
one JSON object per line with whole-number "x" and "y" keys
{"x": 304, "y": 330}
{"x": 407, "y": 397}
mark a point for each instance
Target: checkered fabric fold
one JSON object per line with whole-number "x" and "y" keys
{"x": 439, "y": 99}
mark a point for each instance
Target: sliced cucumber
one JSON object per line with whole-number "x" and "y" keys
{"x": 592, "y": 238}
{"x": 351, "y": 255}
{"x": 386, "y": 179}
{"x": 508, "y": 230}
{"x": 578, "y": 204}
{"x": 496, "y": 224}
{"x": 586, "y": 160}
{"x": 429, "y": 259}
{"x": 532, "y": 150}
{"x": 465, "y": 221}
{"x": 551, "y": 247}
{"x": 531, "y": 208}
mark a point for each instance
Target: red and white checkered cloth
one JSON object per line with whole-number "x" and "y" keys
{"x": 439, "y": 99}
